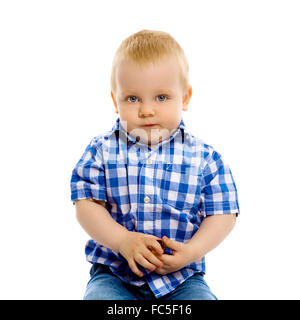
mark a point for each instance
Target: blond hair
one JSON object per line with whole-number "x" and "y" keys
{"x": 150, "y": 46}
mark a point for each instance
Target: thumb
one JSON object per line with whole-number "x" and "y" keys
{"x": 175, "y": 245}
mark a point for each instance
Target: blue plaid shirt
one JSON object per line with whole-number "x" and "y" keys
{"x": 167, "y": 190}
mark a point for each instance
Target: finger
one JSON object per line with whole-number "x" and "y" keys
{"x": 151, "y": 236}
{"x": 153, "y": 259}
{"x": 153, "y": 239}
{"x": 156, "y": 247}
{"x": 134, "y": 268}
{"x": 167, "y": 259}
{"x": 161, "y": 271}
{"x": 145, "y": 263}
{"x": 175, "y": 245}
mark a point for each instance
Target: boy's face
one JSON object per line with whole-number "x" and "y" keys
{"x": 150, "y": 94}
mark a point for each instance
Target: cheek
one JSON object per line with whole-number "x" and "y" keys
{"x": 171, "y": 111}
{"x": 128, "y": 114}
{"x": 124, "y": 110}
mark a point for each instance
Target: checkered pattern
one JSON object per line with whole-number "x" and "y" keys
{"x": 167, "y": 190}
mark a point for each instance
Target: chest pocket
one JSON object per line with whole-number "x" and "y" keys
{"x": 180, "y": 185}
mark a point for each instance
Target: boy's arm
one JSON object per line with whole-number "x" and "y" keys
{"x": 99, "y": 224}
{"x": 133, "y": 246}
{"x": 212, "y": 231}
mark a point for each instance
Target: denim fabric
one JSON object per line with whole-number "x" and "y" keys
{"x": 104, "y": 285}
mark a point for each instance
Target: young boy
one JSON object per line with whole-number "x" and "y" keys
{"x": 149, "y": 183}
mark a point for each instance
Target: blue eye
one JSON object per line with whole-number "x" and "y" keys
{"x": 162, "y": 98}
{"x": 132, "y": 99}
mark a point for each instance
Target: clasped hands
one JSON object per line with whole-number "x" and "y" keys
{"x": 145, "y": 250}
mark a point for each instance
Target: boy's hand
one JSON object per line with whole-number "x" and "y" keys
{"x": 179, "y": 258}
{"x": 136, "y": 248}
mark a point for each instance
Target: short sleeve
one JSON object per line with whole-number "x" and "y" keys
{"x": 88, "y": 176}
{"x": 218, "y": 189}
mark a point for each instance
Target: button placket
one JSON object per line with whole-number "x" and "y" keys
{"x": 146, "y": 199}
{"x": 148, "y": 188}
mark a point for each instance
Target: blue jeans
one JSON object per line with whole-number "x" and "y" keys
{"x": 104, "y": 285}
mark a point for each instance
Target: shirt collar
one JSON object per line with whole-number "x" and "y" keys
{"x": 118, "y": 127}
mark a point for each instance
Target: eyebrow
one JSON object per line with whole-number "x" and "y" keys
{"x": 161, "y": 90}
{"x": 129, "y": 91}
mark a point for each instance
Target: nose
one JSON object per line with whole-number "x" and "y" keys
{"x": 146, "y": 111}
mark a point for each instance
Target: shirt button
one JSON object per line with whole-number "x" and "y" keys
{"x": 148, "y": 161}
{"x": 146, "y": 199}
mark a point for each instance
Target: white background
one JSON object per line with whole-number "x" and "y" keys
{"x": 55, "y": 63}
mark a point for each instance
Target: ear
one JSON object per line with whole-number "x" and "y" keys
{"x": 114, "y": 101}
{"x": 186, "y": 98}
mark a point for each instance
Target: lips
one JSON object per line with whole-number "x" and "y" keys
{"x": 149, "y": 125}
